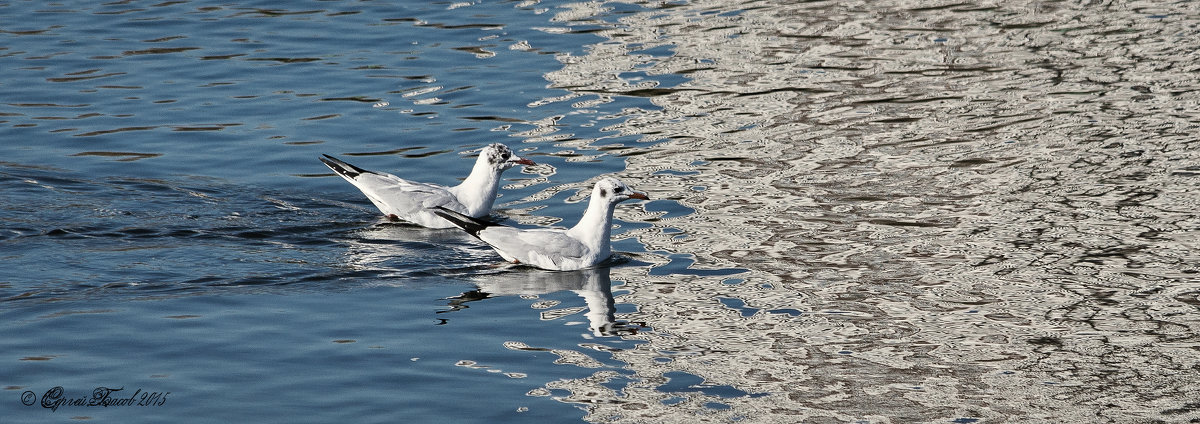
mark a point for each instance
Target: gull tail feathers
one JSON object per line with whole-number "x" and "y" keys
{"x": 469, "y": 224}
{"x": 342, "y": 168}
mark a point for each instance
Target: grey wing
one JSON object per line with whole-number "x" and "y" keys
{"x": 535, "y": 247}
{"x": 402, "y": 197}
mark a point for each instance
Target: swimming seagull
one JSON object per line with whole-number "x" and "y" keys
{"x": 584, "y": 245}
{"x": 401, "y": 199}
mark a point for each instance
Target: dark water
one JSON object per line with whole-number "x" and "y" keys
{"x": 865, "y": 211}
{"x": 166, "y": 227}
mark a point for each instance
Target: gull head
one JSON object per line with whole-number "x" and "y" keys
{"x": 613, "y": 191}
{"x": 501, "y": 158}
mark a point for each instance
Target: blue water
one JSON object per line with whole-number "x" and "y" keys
{"x": 863, "y": 211}
{"x": 165, "y": 227}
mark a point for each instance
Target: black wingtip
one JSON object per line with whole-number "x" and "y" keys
{"x": 341, "y": 167}
{"x": 469, "y": 224}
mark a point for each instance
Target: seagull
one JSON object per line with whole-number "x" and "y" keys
{"x": 583, "y": 246}
{"x": 401, "y": 199}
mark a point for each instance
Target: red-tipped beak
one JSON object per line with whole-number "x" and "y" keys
{"x": 523, "y": 161}
{"x": 638, "y": 195}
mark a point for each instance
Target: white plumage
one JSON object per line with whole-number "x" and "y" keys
{"x": 411, "y": 201}
{"x": 583, "y": 246}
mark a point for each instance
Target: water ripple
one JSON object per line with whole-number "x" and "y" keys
{"x": 958, "y": 200}
{"x": 226, "y": 231}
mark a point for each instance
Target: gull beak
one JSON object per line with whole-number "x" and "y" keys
{"x": 638, "y": 195}
{"x": 522, "y": 161}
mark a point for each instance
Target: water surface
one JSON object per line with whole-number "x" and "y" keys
{"x": 865, "y": 211}
{"x": 951, "y": 212}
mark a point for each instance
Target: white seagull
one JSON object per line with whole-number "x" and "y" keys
{"x": 401, "y": 199}
{"x": 583, "y": 246}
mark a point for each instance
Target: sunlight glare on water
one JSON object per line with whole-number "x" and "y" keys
{"x": 862, "y": 211}
{"x": 950, "y": 212}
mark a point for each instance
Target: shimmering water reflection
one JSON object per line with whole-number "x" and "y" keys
{"x": 958, "y": 212}
{"x": 864, "y": 211}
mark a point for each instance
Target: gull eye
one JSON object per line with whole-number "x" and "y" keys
{"x": 619, "y": 190}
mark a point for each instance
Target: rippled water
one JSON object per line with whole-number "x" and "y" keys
{"x": 865, "y": 211}
{"x": 951, "y": 211}
{"x": 167, "y": 228}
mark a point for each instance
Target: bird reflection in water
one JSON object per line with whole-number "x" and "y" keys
{"x": 405, "y": 250}
{"x": 402, "y": 250}
{"x": 593, "y": 285}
